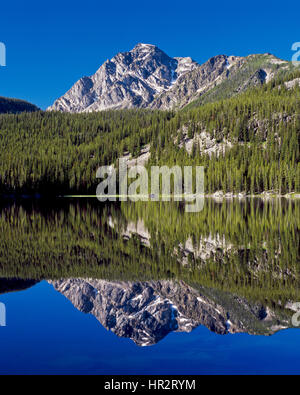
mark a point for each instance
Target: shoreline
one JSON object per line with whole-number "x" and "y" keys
{"x": 263, "y": 195}
{"x": 219, "y": 195}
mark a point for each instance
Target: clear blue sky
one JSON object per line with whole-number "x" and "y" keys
{"x": 50, "y": 45}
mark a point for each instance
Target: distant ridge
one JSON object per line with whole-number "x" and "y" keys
{"x": 15, "y": 106}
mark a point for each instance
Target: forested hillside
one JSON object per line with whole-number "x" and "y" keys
{"x": 59, "y": 153}
{"x": 15, "y": 106}
{"x": 259, "y": 132}
{"x": 256, "y": 71}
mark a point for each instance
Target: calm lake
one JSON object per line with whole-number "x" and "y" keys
{"x": 146, "y": 288}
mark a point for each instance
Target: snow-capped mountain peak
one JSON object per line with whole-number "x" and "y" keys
{"x": 146, "y": 77}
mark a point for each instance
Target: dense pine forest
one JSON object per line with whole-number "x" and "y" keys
{"x": 57, "y": 153}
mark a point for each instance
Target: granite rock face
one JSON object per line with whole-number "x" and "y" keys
{"x": 130, "y": 79}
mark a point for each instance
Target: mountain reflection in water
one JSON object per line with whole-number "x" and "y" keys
{"x": 144, "y": 271}
{"x": 146, "y": 312}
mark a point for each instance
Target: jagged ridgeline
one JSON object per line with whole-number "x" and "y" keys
{"x": 246, "y": 143}
{"x": 250, "y": 248}
{"x": 146, "y": 77}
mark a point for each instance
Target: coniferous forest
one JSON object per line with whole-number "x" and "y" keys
{"x": 59, "y": 153}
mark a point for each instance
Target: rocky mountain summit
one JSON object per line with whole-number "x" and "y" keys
{"x": 148, "y": 311}
{"x": 130, "y": 79}
{"x": 146, "y": 77}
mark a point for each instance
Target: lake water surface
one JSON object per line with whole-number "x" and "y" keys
{"x": 138, "y": 288}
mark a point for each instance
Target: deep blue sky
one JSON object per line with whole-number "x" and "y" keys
{"x": 50, "y": 45}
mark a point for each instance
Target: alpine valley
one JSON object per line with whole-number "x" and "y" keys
{"x": 236, "y": 116}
